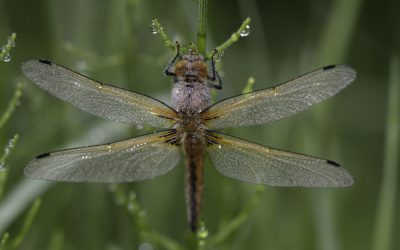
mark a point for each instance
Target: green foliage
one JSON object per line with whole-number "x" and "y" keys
{"x": 387, "y": 198}
{"x": 27, "y": 224}
{"x": 4, "y": 241}
{"x": 11, "y": 106}
{"x": 3, "y": 170}
{"x": 112, "y": 41}
{"x": 202, "y": 26}
{"x": 249, "y": 85}
{"x": 6, "y": 49}
{"x": 157, "y": 28}
{"x": 243, "y": 31}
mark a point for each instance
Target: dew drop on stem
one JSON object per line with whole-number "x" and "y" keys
{"x": 245, "y": 32}
{"x": 218, "y": 56}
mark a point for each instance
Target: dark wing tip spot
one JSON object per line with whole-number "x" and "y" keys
{"x": 42, "y": 155}
{"x": 45, "y": 61}
{"x": 333, "y": 163}
{"x": 329, "y": 67}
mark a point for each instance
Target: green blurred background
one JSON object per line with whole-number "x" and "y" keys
{"x": 110, "y": 41}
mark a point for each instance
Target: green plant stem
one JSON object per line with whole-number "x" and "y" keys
{"x": 333, "y": 46}
{"x": 27, "y": 223}
{"x": 3, "y": 172}
{"x": 249, "y": 85}
{"x": 232, "y": 39}
{"x": 93, "y": 60}
{"x": 225, "y": 232}
{"x": 8, "y": 148}
{"x": 22, "y": 193}
{"x": 11, "y": 105}
{"x": 339, "y": 31}
{"x": 5, "y": 50}
{"x": 4, "y": 241}
{"x": 157, "y": 28}
{"x": 142, "y": 226}
{"x": 202, "y": 27}
{"x": 387, "y": 197}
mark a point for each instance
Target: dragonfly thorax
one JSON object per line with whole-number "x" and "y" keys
{"x": 190, "y": 97}
{"x": 190, "y": 93}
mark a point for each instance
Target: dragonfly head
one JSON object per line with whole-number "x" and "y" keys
{"x": 191, "y": 66}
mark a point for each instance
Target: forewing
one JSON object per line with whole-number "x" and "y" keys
{"x": 99, "y": 99}
{"x": 281, "y": 101}
{"x": 136, "y": 159}
{"x": 255, "y": 163}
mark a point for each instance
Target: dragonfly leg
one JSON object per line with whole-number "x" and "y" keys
{"x": 168, "y": 70}
{"x": 215, "y": 79}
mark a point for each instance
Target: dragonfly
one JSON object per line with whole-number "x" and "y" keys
{"x": 188, "y": 129}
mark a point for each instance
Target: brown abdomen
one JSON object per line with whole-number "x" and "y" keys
{"x": 193, "y": 145}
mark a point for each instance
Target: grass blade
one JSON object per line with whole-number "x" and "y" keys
{"x": 387, "y": 197}
{"x": 27, "y": 223}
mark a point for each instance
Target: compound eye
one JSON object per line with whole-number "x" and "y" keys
{"x": 180, "y": 68}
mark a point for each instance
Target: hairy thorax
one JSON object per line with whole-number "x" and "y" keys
{"x": 190, "y": 97}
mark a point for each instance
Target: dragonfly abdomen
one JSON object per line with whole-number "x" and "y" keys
{"x": 194, "y": 148}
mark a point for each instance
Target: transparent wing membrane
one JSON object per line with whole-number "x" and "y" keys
{"x": 99, "y": 99}
{"x": 281, "y": 101}
{"x": 250, "y": 162}
{"x": 136, "y": 159}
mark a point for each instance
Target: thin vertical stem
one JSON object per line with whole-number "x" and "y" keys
{"x": 333, "y": 48}
{"x": 385, "y": 211}
{"x": 11, "y": 106}
{"x": 339, "y": 31}
{"x": 202, "y": 27}
{"x": 27, "y": 223}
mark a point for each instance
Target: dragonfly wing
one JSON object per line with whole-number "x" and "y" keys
{"x": 250, "y": 162}
{"x": 135, "y": 159}
{"x": 99, "y": 99}
{"x": 281, "y": 101}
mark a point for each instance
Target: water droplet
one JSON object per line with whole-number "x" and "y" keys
{"x": 202, "y": 233}
{"x": 11, "y": 41}
{"x": 146, "y": 246}
{"x": 154, "y": 30}
{"x": 218, "y": 56}
{"x": 154, "y": 27}
{"x": 245, "y": 32}
{"x": 81, "y": 65}
{"x": 130, "y": 206}
{"x": 6, "y": 56}
{"x": 219, "y": 146}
